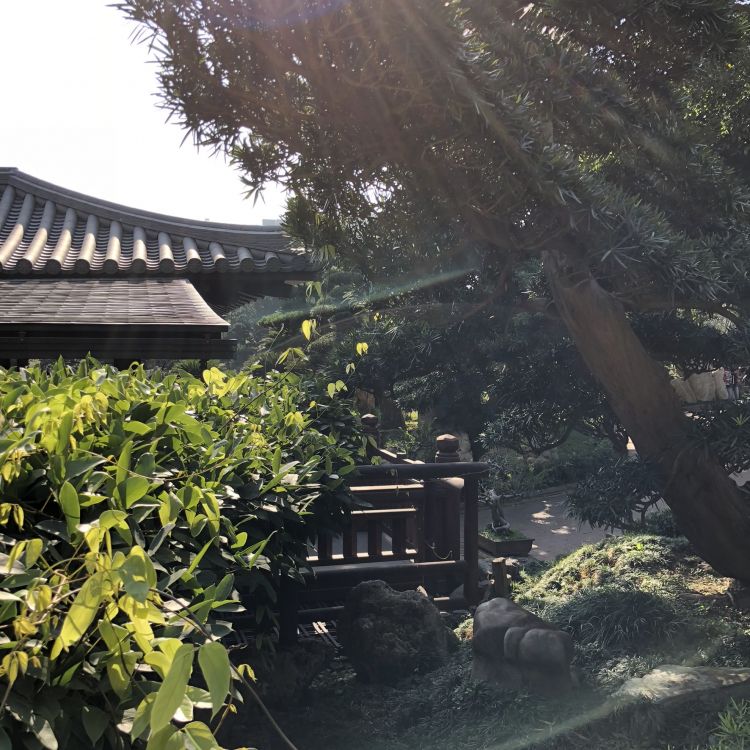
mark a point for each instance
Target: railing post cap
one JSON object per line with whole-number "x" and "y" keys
{"x": 447, "y": 443}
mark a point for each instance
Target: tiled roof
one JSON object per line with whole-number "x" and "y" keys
{"x": 47, "y": 230}
{"x": 164, "y": 303}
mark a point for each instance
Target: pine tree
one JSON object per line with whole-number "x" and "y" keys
{"x": 582, "y": 136}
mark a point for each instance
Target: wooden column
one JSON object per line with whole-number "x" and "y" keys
{"x": 443, "y": 507}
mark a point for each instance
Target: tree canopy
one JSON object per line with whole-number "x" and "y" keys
{"x": 593, "y": 141}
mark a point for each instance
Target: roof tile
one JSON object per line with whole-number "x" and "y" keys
{"x": 46, "y": 230}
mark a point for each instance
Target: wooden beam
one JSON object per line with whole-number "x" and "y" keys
{"x": 75, "y": 347}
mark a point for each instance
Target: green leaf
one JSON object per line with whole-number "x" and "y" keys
{"x": 64, "y": 430}
{"x": 137, "y": 574}
{"x": 115, "y": 636}
{"x": 5, "y": 743}
{"x": 161, "y": 740}
{"x": 71, "y": 507}
{"x": 95, "y": 722}
{"x": 307, "y": 328}
{"x": 81, "y": 613}
{"x": 146, "y": 465}
{"x": 138, "y": 428}
{"x": 120, "y": 670}
{"x": 79, "y": 466}
{"x": 200, "y": 737}
{"x": 42, "y": 730}
{"x": 132, "y": 490}
{"x": 172, "y": 690}
{"x": 123, "y": 463}
{"x": 142, "y": 718}
{"x": 158, "y": 540}
{"x": 112, "y": 518}
{"x": 224, "y": 587}
{"x": 10, "y": 398}
{"x": 34, "y": 548}
{"x": 197, "y": 559}
{"x": 214, "y": 663}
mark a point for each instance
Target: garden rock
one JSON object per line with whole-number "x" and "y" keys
{"x": 670, "y": 684}
{"x": 515, "y": 649}
{"x": 389, "y": 635}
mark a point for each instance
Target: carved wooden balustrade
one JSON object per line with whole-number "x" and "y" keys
{"x": 408, "y": 533}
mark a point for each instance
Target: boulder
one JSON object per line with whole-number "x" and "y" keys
{"x": 721, "y": 389}
{"x": 703, "y": 386}
{"x": 670, "y": 684}
{"x": 671, "y": 695}
{"x": 514, "y": 648}
{"x": 684, "y": 391}
{"x": 388, "y": 635}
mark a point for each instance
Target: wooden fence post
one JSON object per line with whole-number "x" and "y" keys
{"x": 288, "y": 612}
{"x": 500, "y": 578}
{"x": 370, "y": 428}
{"x": 471, "y": 539}
{"x": 447, "y": 449}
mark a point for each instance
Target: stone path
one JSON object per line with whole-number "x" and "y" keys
{"x": 544, "y": 518}
{"x": 554, "y": 532}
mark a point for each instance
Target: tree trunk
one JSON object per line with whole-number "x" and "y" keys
{"x": 706, "y": 502}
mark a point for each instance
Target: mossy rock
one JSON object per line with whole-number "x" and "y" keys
{"x": 389, "y": 635}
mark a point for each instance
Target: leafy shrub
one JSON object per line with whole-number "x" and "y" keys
{"x": 733, "y": 732}
{"x": 661, "y": 523}
{"x": 577, "y": 459}
{"x": 611, "y": 616}
{"x": 617, "y": 496}
{"x": 129, "y": 504}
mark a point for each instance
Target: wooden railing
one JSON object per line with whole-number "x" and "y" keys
{"x": 408, "y": 534}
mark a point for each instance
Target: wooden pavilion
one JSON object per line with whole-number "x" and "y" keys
{"x": 80, "y": 275}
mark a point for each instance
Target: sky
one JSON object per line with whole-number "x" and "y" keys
{"x": 79, "y": 109}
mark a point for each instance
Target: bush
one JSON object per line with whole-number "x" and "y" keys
{"x": 578, "y": 458}
{"x": 617, "y": 496}
{"x": 611, "y": 616}
{"x": 630, "y": 562}
{"x": 661, "y": 523}
{"x": 130, "y": 502}
{"x": 733, "y": 732}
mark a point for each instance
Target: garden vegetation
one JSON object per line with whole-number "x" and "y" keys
{"x": 135, "y": 507}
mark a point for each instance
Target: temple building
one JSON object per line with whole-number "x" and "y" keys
{"x": 80, "y": 275}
